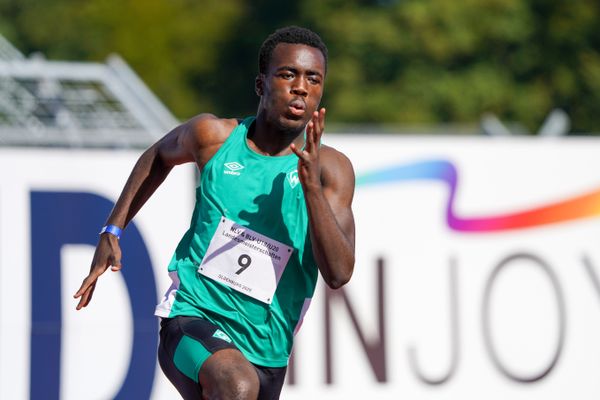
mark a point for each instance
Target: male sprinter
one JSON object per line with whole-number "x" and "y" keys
{"x": 273, "y": 206}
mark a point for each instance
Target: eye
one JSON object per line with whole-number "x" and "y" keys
{"x": 286, "y": 75}
{"x": 314, "y": 80}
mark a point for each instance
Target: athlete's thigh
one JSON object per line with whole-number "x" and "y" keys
{"x": 186, "y": 343}
{"x": 227, "y": 374}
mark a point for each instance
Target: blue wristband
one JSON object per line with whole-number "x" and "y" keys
{"x": 113, "y": 230}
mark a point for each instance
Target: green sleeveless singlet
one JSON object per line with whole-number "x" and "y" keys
{"x": 264, "y": 194}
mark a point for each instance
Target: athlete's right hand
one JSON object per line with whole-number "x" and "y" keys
{"x": 108, "y": 254}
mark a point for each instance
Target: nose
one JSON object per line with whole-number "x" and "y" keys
{"x": 299, "y": 87}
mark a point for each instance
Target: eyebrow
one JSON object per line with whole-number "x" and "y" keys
{"x": 295, "y": 70}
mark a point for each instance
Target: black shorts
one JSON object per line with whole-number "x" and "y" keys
{"x": 186, "y": 342}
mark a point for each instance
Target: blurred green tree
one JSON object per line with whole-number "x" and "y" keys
{"x": 391, "y": 61}
{"x": 422, "y": 61}
{"x": 168, "y": 43}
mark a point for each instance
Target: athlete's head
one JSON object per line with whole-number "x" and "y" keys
{"x": 293, "y": 64}
{"x": 292, "y": 35}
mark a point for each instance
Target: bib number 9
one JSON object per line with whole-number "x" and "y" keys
{"x": 244, "y": 262}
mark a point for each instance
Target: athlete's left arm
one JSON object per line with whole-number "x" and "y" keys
{"x": 327, "y": 179}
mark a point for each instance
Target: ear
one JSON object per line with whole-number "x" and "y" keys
{"x": 258, "y": 84}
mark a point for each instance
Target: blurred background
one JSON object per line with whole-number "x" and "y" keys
{"x": 473, "y": 129}
{"x": 392, "y": 63}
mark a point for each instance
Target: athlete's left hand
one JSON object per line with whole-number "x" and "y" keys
{"x": 309, "y": 169}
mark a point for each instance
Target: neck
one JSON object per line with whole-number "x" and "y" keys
{"x": 268, "y": 138}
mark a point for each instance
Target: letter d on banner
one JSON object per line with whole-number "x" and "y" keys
{"x": 60, "y": 218}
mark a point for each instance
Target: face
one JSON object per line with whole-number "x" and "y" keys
{"x": 292, "y": 87}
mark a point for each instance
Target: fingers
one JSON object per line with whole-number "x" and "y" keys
{"x": 310, "y": 134}
{"x": 86, "y": 297}
{"x": 115, "y": 265}
{"x": 89, "y": 295}
{"x": 108, "y": 254}
{"x": 314, "y": 129}
{"x": 321, "y": 121}
{"x": 88, "y": 285}
{"x": 87, "y": 282}
{"x": 85, "y": 291}
{"x": 297, "y": 151}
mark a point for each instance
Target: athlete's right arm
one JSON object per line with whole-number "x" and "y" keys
{"x": 194, "y": 141}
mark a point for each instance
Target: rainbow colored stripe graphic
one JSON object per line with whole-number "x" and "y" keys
{"x": 583, "y": 206}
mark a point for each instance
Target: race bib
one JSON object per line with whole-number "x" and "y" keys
{"x": 245, "y": 260}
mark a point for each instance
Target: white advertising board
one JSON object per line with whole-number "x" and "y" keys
{"x": 51, "y": 205}
{"x": 477, "y": 275}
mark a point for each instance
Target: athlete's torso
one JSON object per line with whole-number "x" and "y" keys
{"x": 262, "y": 194}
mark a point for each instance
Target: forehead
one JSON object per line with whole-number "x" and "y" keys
{"x": 299, "y": 56}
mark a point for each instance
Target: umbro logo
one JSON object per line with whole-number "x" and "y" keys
{"x": 219, "y": 334}
{"x": 233, "y": 168}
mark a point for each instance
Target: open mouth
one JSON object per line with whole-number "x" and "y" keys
{"x": 297, "y": 107}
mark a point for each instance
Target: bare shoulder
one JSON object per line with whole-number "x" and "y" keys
{"x": 336, "y": 168}
{"x": 205, "y": 134}
{"x": 197, "y": 139}
{"x": 209, "y": 130}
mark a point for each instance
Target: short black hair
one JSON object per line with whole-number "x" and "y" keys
{"x": 289, "y": 34}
